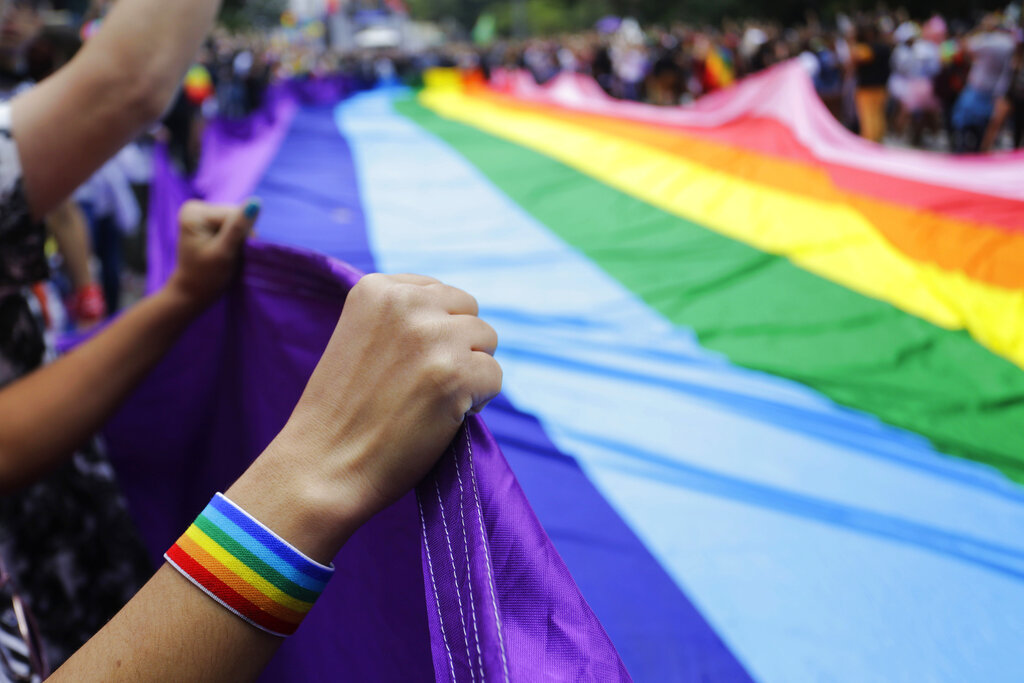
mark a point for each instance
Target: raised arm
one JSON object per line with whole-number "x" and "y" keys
{"x": 408, "y": 360}
{"x": 118, "y": 84}
{"x": 81, "y": 390}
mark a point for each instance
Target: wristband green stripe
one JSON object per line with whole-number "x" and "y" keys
{"x": 270, "y": 574}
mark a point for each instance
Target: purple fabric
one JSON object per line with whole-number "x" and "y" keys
{"x": 167, "y": 193}
{"x": 245, "y": 147}
{"x": 501, "y": 602}
{"x": 323, "y": 90}
{"x": 455, "y": 582}
{"x": 493, "y": 599}
{"x": 311, "y": 192}
{"x": 311, "y": 199}
{"x": 213, "y": 405}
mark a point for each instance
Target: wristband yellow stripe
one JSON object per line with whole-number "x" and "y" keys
{"x": 237, "y": 583}
{"x": 250, "y": 577}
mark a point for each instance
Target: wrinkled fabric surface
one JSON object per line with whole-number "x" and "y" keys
{"x": 458, "y": 579}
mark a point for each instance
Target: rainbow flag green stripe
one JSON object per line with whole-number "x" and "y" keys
{"x": 245, "y": 567}
{"x": 858, "y": 351}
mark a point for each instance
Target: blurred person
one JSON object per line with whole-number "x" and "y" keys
{"x": 107, "y": 200}
{"x": 899, "y": 62}
{"x": 539, "y": 61}
{"x": 667, "y": 80}
{"x": 749, "y": 52}
{"x": 1004, "y": 107}
{"x": 30, "y": 52}
{"x": 601, "y": 67}
{"x": 1016, "y": 97}
{"x": 827, "y": 73}
{"x": 916, "y": 62}
{"x": 991, "y": 49}
{"x": 630, "y": 70}
{"x": 106, "y": 192}
{"x": 20, "y": 22}
{"x": 183, "y": 125}
{"x": 257, "y": 81}
{"x": 871, "y": 56}
{"x": 85, "y": 303}
{"x": 567, "y": 59}
{"x": 845, "y": 40}
{"x": 952, "y": 78}
{"x": 65, "y": 538}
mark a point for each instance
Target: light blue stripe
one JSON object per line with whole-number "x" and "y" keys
{"x": 271, "y": 541}
{"x": 821, "y": 544}
{"x": 258, "y": 549}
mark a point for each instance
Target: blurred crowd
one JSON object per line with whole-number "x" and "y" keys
{"x": 948, "y": 85}
{"x": 96, "y": 242}
{"x": 934, "y": 83}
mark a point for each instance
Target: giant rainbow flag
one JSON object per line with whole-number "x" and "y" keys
{"x": 763, "y": 380}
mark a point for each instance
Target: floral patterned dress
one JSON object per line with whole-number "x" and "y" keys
{"x": 67, "y": 541}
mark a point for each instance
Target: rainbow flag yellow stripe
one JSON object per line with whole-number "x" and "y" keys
{"x": 828, "y": 238}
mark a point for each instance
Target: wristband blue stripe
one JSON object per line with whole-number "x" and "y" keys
{"x": 245, "y": 539}
{"x": 247, "y": 568}
{"x": 270, "y": 541}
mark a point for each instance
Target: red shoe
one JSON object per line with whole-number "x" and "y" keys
{"x": 87, "y": 306}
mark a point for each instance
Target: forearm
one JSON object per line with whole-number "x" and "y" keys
{"x": 153, "y": 42}
{"x": 67, "y": 225}
{"x": 172, "y": 631}
{"x": 81, "y": 390}
{"x": 121, "y": 82}
{"x": 411, "y": 359}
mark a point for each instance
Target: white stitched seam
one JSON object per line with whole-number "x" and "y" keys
{"x": 437, "y": 600}
{"x": 469, "y": 581}
{"x": 487, "y": 555}
{"x": 455, "y": 577}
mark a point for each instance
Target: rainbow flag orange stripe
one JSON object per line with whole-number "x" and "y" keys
{"x": 987, "y": 251}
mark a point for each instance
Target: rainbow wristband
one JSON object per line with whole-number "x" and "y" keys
{"x": 248, "y": 568}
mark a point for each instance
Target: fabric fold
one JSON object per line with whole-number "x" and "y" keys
{"x": 458, "y": 579}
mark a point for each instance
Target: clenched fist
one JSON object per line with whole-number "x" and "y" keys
{"x": 209, "y": 244}
{"x": 408, "y": 361}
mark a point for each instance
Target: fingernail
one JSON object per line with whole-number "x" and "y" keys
{"x": 252, "y": 209}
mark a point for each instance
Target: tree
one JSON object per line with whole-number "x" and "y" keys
{"x": 246, "y": 14}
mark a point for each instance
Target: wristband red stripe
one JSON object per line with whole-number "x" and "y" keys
{"x": 226, "y": 595}
{"x": 239, "y": 585}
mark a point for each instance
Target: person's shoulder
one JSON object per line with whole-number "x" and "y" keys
{"x": 10, "y": 161}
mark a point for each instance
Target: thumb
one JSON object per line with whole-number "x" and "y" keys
{"x": 237, "y": 227}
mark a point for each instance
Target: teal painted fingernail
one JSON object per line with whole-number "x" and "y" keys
{"x": 252, "y": 209}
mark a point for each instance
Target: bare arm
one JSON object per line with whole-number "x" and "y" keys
{"x": 82, "y": 390}
{"x": 68, "y": 226}
{"x": 146, "y": 642}
{"x": 411, "y": 359}
{"x": 121, "y": 81}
